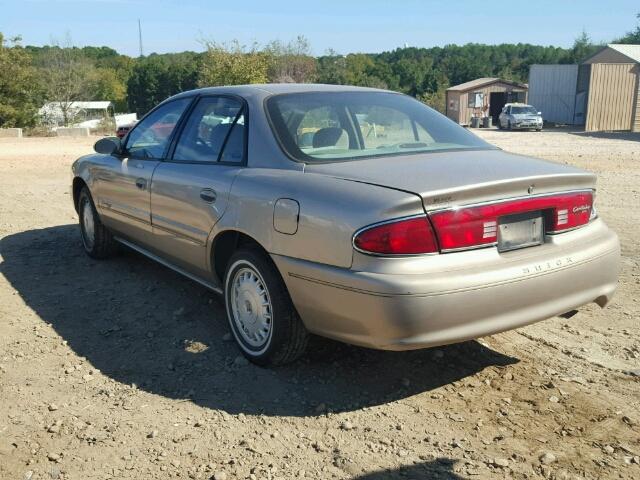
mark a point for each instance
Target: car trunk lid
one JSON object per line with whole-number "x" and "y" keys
{"x": 454, "y": 178}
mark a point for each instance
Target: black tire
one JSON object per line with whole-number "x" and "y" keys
{"x": 287, "y": 338}
{"x": 509, "y": 127}
{"x": 99, "y": 243}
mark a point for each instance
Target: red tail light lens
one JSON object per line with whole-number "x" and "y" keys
{"x": 402, "y": 237}
{"x": 468, "y": 227}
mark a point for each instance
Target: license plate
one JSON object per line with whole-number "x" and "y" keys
{"x": 519, "y": 231}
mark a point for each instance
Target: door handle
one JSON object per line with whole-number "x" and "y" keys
{"x": 141, "y": 183}
{"x": 208, "y": 195}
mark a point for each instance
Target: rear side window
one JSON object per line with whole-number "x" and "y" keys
{"x": 214, "y": 132}
{"x": 150, "y": 138}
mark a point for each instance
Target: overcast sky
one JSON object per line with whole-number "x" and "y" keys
{"x": 346, "y": 26}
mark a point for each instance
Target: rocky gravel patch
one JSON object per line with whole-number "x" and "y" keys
{"x": 122, "y": 369}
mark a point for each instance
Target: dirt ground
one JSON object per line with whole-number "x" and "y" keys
{"x": 123, "y": 369}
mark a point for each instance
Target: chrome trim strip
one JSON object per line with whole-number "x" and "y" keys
{"x": 555, "y": 232}
{"x": 179, "y": 235}
{"x": 510, "y": 199}
{"x": 173, "y": 267}
{"x": 124, "y": 214}
{"x": 391, "y": 255}
{"x": 473, "y": 247}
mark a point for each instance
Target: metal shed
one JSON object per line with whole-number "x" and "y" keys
{"x": 552, "y": 90}
{"x": 605, "y": 90}
{"x": 482, "y": 97}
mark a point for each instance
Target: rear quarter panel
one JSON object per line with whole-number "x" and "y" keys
{"x": 331, "y": 210}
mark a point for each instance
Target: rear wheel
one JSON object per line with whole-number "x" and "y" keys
{"x": 261, "y": 315}
{"x": 96, "y": 239}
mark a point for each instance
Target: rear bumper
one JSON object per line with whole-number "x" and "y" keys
{"x": 454, "y": 297}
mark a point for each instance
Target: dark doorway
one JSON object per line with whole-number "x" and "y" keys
{"x": 497, "y": 101}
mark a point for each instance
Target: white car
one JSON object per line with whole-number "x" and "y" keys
{"x": 519, "y": 116}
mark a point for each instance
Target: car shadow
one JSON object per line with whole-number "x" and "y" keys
{"x": 141, "y": 323}
{"x": 616, "y": 135}
{"x": 441, "y": 468}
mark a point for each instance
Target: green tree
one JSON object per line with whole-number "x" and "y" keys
{"x": 332, "y": 68}
{"x": 583, "y": 47}
{"x": 436, "y": 100}
{"x": 66, "y": 77}
{"x": 104, "y": 84}
{"x": 291, "y": 62}
{"x": 233, "y": 64}
{"x": 156, "y": 77}
{"x": 18, "y": 85}
{"x": 633, "y": 36}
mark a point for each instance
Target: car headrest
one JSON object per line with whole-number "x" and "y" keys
{"x": 327, "y": 137}
{"x": 218, "y": 133}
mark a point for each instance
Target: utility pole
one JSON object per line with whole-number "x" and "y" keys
{"x": 140, "y": 37}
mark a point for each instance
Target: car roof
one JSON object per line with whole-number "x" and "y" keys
{"x": 515, "y": 104}
{"x": 279, "y": 88}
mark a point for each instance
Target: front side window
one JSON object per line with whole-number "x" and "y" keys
{"x": 150, "y": 138}
{"x": 215, "y": 131}
{"x": 332, "y": 126}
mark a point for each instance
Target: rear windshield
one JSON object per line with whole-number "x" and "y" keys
{"x": 338, "y": 126}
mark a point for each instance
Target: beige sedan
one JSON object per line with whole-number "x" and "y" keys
{"x": 357, "y": 214}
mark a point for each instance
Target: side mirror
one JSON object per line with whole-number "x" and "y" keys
{"x": 539, "y": 113}
{"x": 108, "y": 145}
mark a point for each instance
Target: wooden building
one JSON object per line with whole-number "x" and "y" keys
{"x": 613, "y": 93}
{"x": 481, "y": 98}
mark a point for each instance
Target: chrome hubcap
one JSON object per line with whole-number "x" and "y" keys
{"x": 88, "y": 225}
{"x": 251, "y": 307}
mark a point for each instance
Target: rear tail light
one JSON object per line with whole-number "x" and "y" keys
{"x": 469, "y": 227}
{"x": 409, "y": 236}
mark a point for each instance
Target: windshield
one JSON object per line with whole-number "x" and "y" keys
{"x": 333, "y": 126}
{"x": 523, "y": 111}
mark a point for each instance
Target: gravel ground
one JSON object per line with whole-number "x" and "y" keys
{"x": 123, "y": 369}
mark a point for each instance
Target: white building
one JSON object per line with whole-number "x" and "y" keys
{"x": 77, "y": 112}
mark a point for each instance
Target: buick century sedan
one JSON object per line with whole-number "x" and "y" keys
{"x": 357, "y": 214}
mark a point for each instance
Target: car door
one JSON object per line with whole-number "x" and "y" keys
{"x": 501, "y": 117}
{"x": 190, "y": 190}
{"x": 123, "y": 183}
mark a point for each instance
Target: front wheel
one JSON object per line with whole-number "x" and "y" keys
{"x": 261, "y": 314}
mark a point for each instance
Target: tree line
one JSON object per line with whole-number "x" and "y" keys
{"x": 31, "y": 76}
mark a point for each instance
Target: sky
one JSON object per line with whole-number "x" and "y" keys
{"x": 346, "y": 26}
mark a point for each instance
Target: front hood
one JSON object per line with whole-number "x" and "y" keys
{"x": 451, "y": 178}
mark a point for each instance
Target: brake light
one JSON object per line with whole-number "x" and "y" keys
{"x": 409, "y": 236}
{"x": 468, "y": 227}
